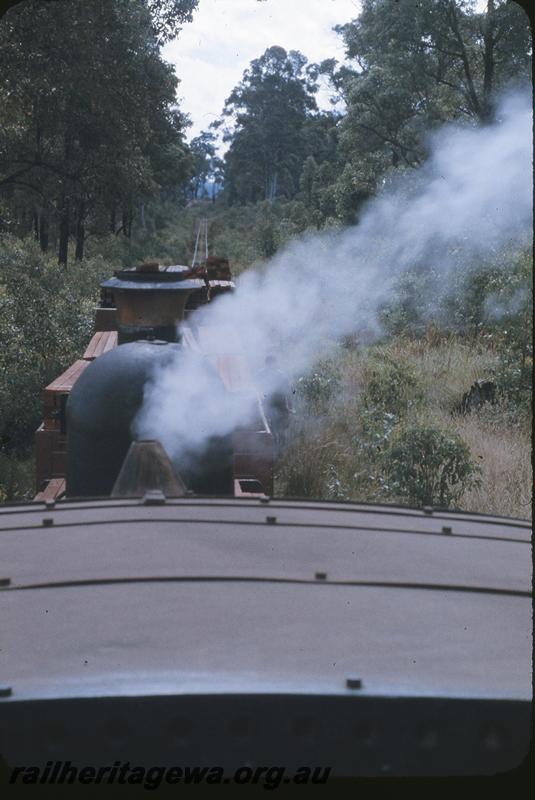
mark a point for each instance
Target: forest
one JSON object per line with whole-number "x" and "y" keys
{"x": 97, "y": 171}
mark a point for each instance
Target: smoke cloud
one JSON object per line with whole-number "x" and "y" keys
{"x": 473, "y": 196}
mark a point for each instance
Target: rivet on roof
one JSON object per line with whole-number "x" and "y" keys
{"x": 155, "y": 497}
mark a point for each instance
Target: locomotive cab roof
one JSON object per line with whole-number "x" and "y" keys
{"x": 381, "y": 640}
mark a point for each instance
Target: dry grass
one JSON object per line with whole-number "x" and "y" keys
{"x": 324, "y": 460}
{"x": 447, "y": 369}
{"x": 504, "y": 455}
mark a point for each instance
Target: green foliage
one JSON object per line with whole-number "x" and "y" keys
{"x": 205, "y": 165}
{"x": 410, "y": 308}
{"x": 353, "y": 187}
{"x": 46, "y": 318}
{"x": 392, "y": 387}
{"x": 90, "y": 129}
{"x": 491, "y": 298}
{"x": 347, "y": 433}
{"x": 264, "y": 232}
{"x": 168, "y": 15}
{"x": 418, "y": 64}
{"x": 17, "y": 477}
{"x": 302, "y": 467}
{"x": 335, "y": 487}
{"x": 275, "y": 130}
{"x": 318, "y": 389}
{"x": 307, "y": 181}
{"x": 514, "y": 383}
{"x": 426, "y": 466}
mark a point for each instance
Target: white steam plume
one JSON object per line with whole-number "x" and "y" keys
{"x": 472, "y": 196}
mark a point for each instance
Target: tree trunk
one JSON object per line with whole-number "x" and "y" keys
{"x": 488, "y": 60}
{"x": 43, "y": 232}
{"x": 127, "y": 223}
{"x": 272, "y": 187}
{"x": 26, "y": 221}
{"x": 113, "y": 219}
{"x": 63, "y": 250}
{"x": 63, "y": 234}
{"x": 36, "y": 226}
{"x": 142, "y": 216}
{"x": 470, "y": 93}
{"x": 80, "y": 232}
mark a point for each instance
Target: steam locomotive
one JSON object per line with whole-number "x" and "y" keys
{"x": 81, "y": 444}
{"x": 156, "y": 616}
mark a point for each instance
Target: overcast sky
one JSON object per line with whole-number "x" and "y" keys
{"x": 212, "y": 52}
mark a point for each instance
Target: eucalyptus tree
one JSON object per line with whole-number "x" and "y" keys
{"x": 415, "y": 64}
{"x": 205, "y": 162}
{"x": 268, "y": 111}
{"x": 168, "y": 16}
{"x": 89, "y": 118}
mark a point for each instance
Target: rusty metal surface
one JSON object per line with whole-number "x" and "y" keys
{"x": 50, "y": 452}
{"x": 149, "y": 306}
{"x": 209, "y": 596}
{"x": 157, "y": 309}
{"x": 105, "y": 319}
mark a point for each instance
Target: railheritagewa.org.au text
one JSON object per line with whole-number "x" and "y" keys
{"x": 122, "y": 772}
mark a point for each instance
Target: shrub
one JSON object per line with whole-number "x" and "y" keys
{"x": 318, "y": 388}
{"x": 392, "y": 388}
{"x": 472, "y": 297}
{"x": 46, "y": 317}
{"x": 410, "y": 308}
{"x": 514, "y": 382}
{"x": 335, "y": 487}
{"x": 301, "y": 469}
{"x": 17, "y": 477}
{"x": 426, "y": 466}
